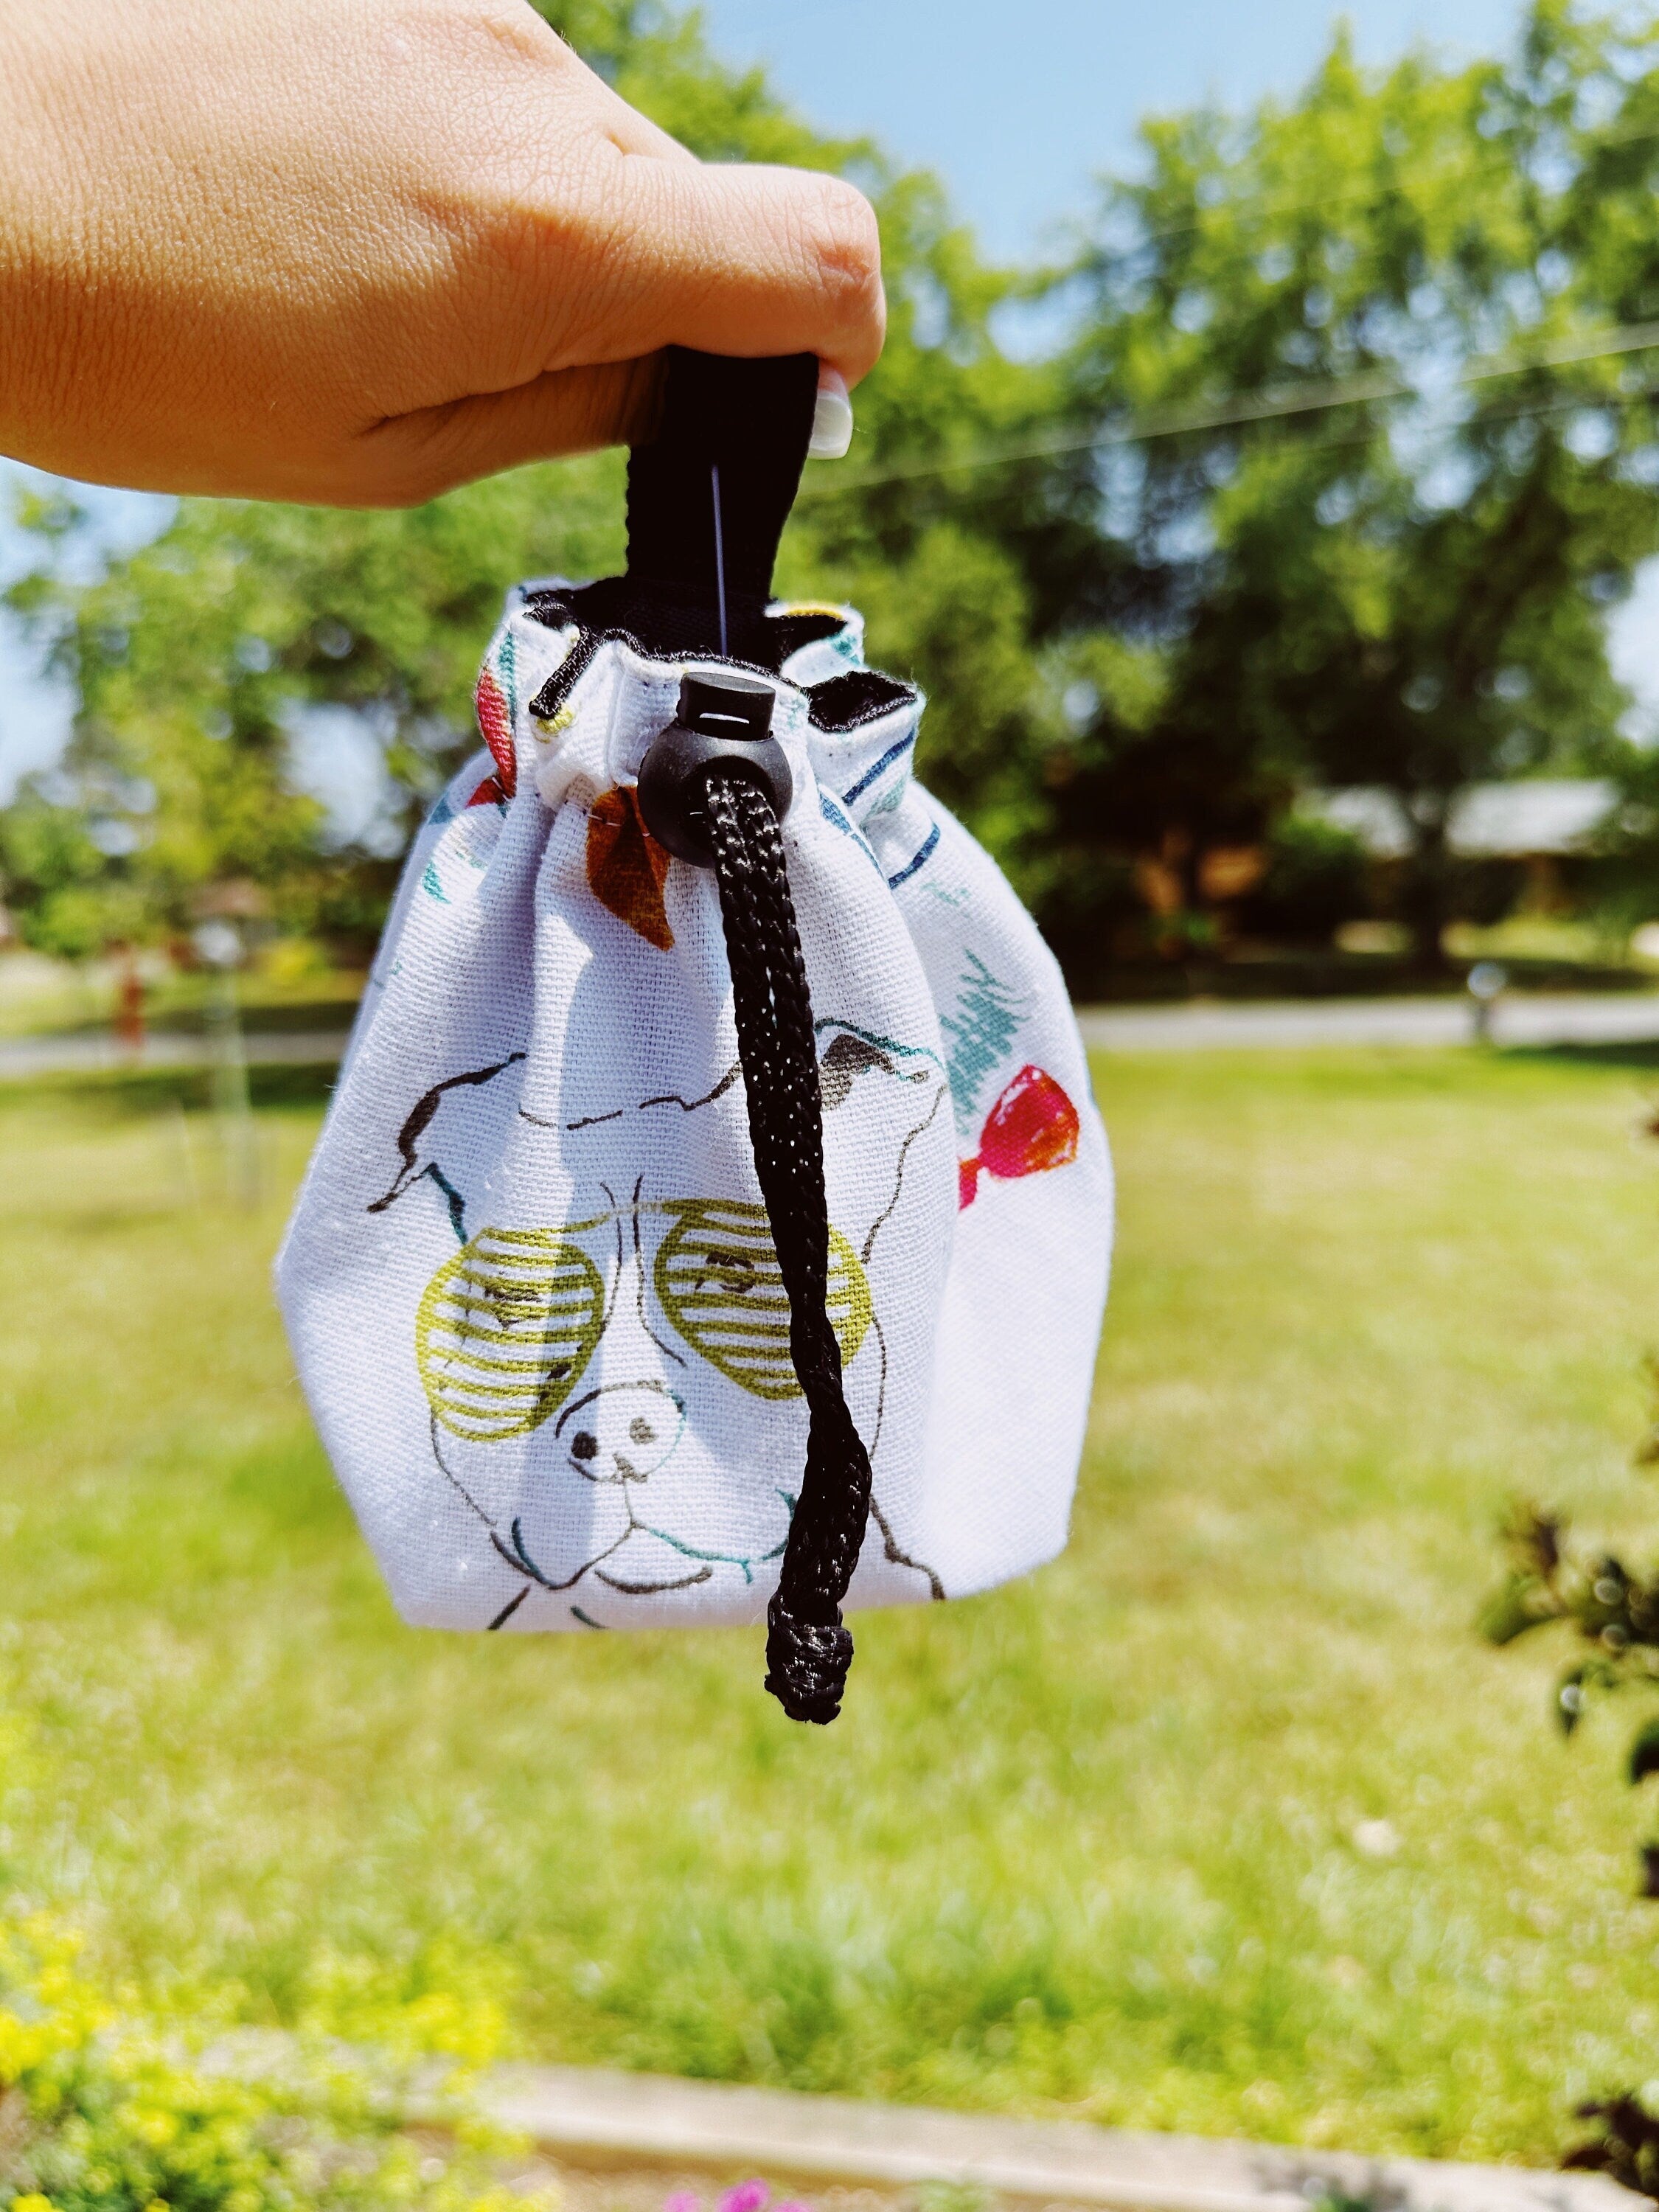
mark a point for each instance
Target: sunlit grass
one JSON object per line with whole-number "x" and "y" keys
{"x": 1224, "y": 1823}
{"x": 1591, "y": 941}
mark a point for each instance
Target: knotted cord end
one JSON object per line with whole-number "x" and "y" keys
{"x": 806, "y": 1664}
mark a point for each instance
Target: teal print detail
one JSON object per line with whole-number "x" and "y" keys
{"x": 894, "y": 752}
{"x": 917, "y": 859}
{"x": 506, "y": 665}
{"x": 722, "y": 1559}
{"x": 984, "y": 1025}
{"x": 833, "y": 815}
{"x": 874, "y": 1037}
{"x": 430, "y": 883}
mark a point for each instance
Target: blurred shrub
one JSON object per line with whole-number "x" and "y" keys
{"x": 1316, "y": 878}
{"x": 101, "y": 2112}
{"x": 1612, "y": 1610}
{"x": 1625, "y": 2144}
{"x": 65, "y": 896}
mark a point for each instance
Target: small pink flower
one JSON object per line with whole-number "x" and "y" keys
{"x": 747, "y": 2197}
{"x": 682, "y": 2201}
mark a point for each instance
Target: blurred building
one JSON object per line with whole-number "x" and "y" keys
{"x": 1537, "y": 824}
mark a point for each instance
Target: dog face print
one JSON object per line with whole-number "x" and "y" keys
{"x": 613, "y": 1395}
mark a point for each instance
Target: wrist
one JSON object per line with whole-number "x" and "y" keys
{"x": 46, "y": 267}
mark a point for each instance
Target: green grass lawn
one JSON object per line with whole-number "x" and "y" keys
{"x": 1226, "y": 1822}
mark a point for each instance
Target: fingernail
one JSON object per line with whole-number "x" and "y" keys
{"x": 832, "y": 418}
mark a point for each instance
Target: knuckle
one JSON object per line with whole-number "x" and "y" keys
{"x": 841, "y": 247}
{"x": 476, "y": 35}
{"x": 519, "y": 32}
{"x": 840, "y": 232}
{"x": 412, "y": 459}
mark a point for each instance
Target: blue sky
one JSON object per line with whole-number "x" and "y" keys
{"x": 1017, "y": 108}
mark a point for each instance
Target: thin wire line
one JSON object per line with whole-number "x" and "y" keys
{"x": 1515, "y": 410}
{"x": 720, "y": 554}
{"x": 1311, "y": 398}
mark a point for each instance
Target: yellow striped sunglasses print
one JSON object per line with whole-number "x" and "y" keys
{"x": 718, "y": 1277}
{"x": 505, "y": 1329}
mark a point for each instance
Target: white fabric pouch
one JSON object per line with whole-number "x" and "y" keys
{"x": 584, "y": 1347}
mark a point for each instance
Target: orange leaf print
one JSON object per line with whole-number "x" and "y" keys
{"x": 496, "y": 723}
{"x": 626, "y": 866}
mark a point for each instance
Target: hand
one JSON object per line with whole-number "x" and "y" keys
{"x": 358, "y": 251}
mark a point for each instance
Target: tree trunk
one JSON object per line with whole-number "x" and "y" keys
{"x": 1427, "y": 899}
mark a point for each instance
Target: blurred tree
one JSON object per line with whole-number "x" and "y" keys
{"x": 1394, "y": 347}
{"x": 72, "y": 891}
{"x": 1350, "y": 449}
{"x": 195, "y": 659}
{"x": 1315, "y": 877}
{"x": 942, "y": 562}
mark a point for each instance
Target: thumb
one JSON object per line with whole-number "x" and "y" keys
{"x": 746, "y": 260}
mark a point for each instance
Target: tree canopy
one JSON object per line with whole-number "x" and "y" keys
{"x": 1375, "y": 374}
{"x": 1348, "y": 449}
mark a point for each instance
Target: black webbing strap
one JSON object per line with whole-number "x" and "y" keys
{"x": 808, "y": 1650}
{"x": 751, "y": 421}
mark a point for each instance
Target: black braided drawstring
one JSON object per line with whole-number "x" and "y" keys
{"x": 728, "y": 451}
{"x": 808, "y": 1651}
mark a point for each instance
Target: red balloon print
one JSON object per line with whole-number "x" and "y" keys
{"x": 1032, "y": 1127}
{"x": 496, "y": 725}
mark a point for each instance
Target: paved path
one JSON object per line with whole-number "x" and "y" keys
{"x": 646, "y": 2132}
{"x": 101, "y": 1055}
{"x": 1540, "y": 1018}
{"x": 593, "y": 2118}
{"x": 1536, "y": 1018}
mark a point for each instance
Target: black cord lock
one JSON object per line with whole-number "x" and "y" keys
{"x": 723, "y": 721}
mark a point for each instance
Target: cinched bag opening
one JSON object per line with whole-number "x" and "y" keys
{"x": 711, "y": 1223}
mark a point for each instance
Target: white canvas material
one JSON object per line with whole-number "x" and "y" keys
{"x": 529, "y": 1281}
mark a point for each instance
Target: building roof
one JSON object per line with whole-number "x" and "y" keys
{"x": 1488, "y": 821}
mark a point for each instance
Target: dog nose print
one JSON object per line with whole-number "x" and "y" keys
{"x": 629, "y": 1431}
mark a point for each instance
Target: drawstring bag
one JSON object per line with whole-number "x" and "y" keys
{"x": 711, "y": 1222}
